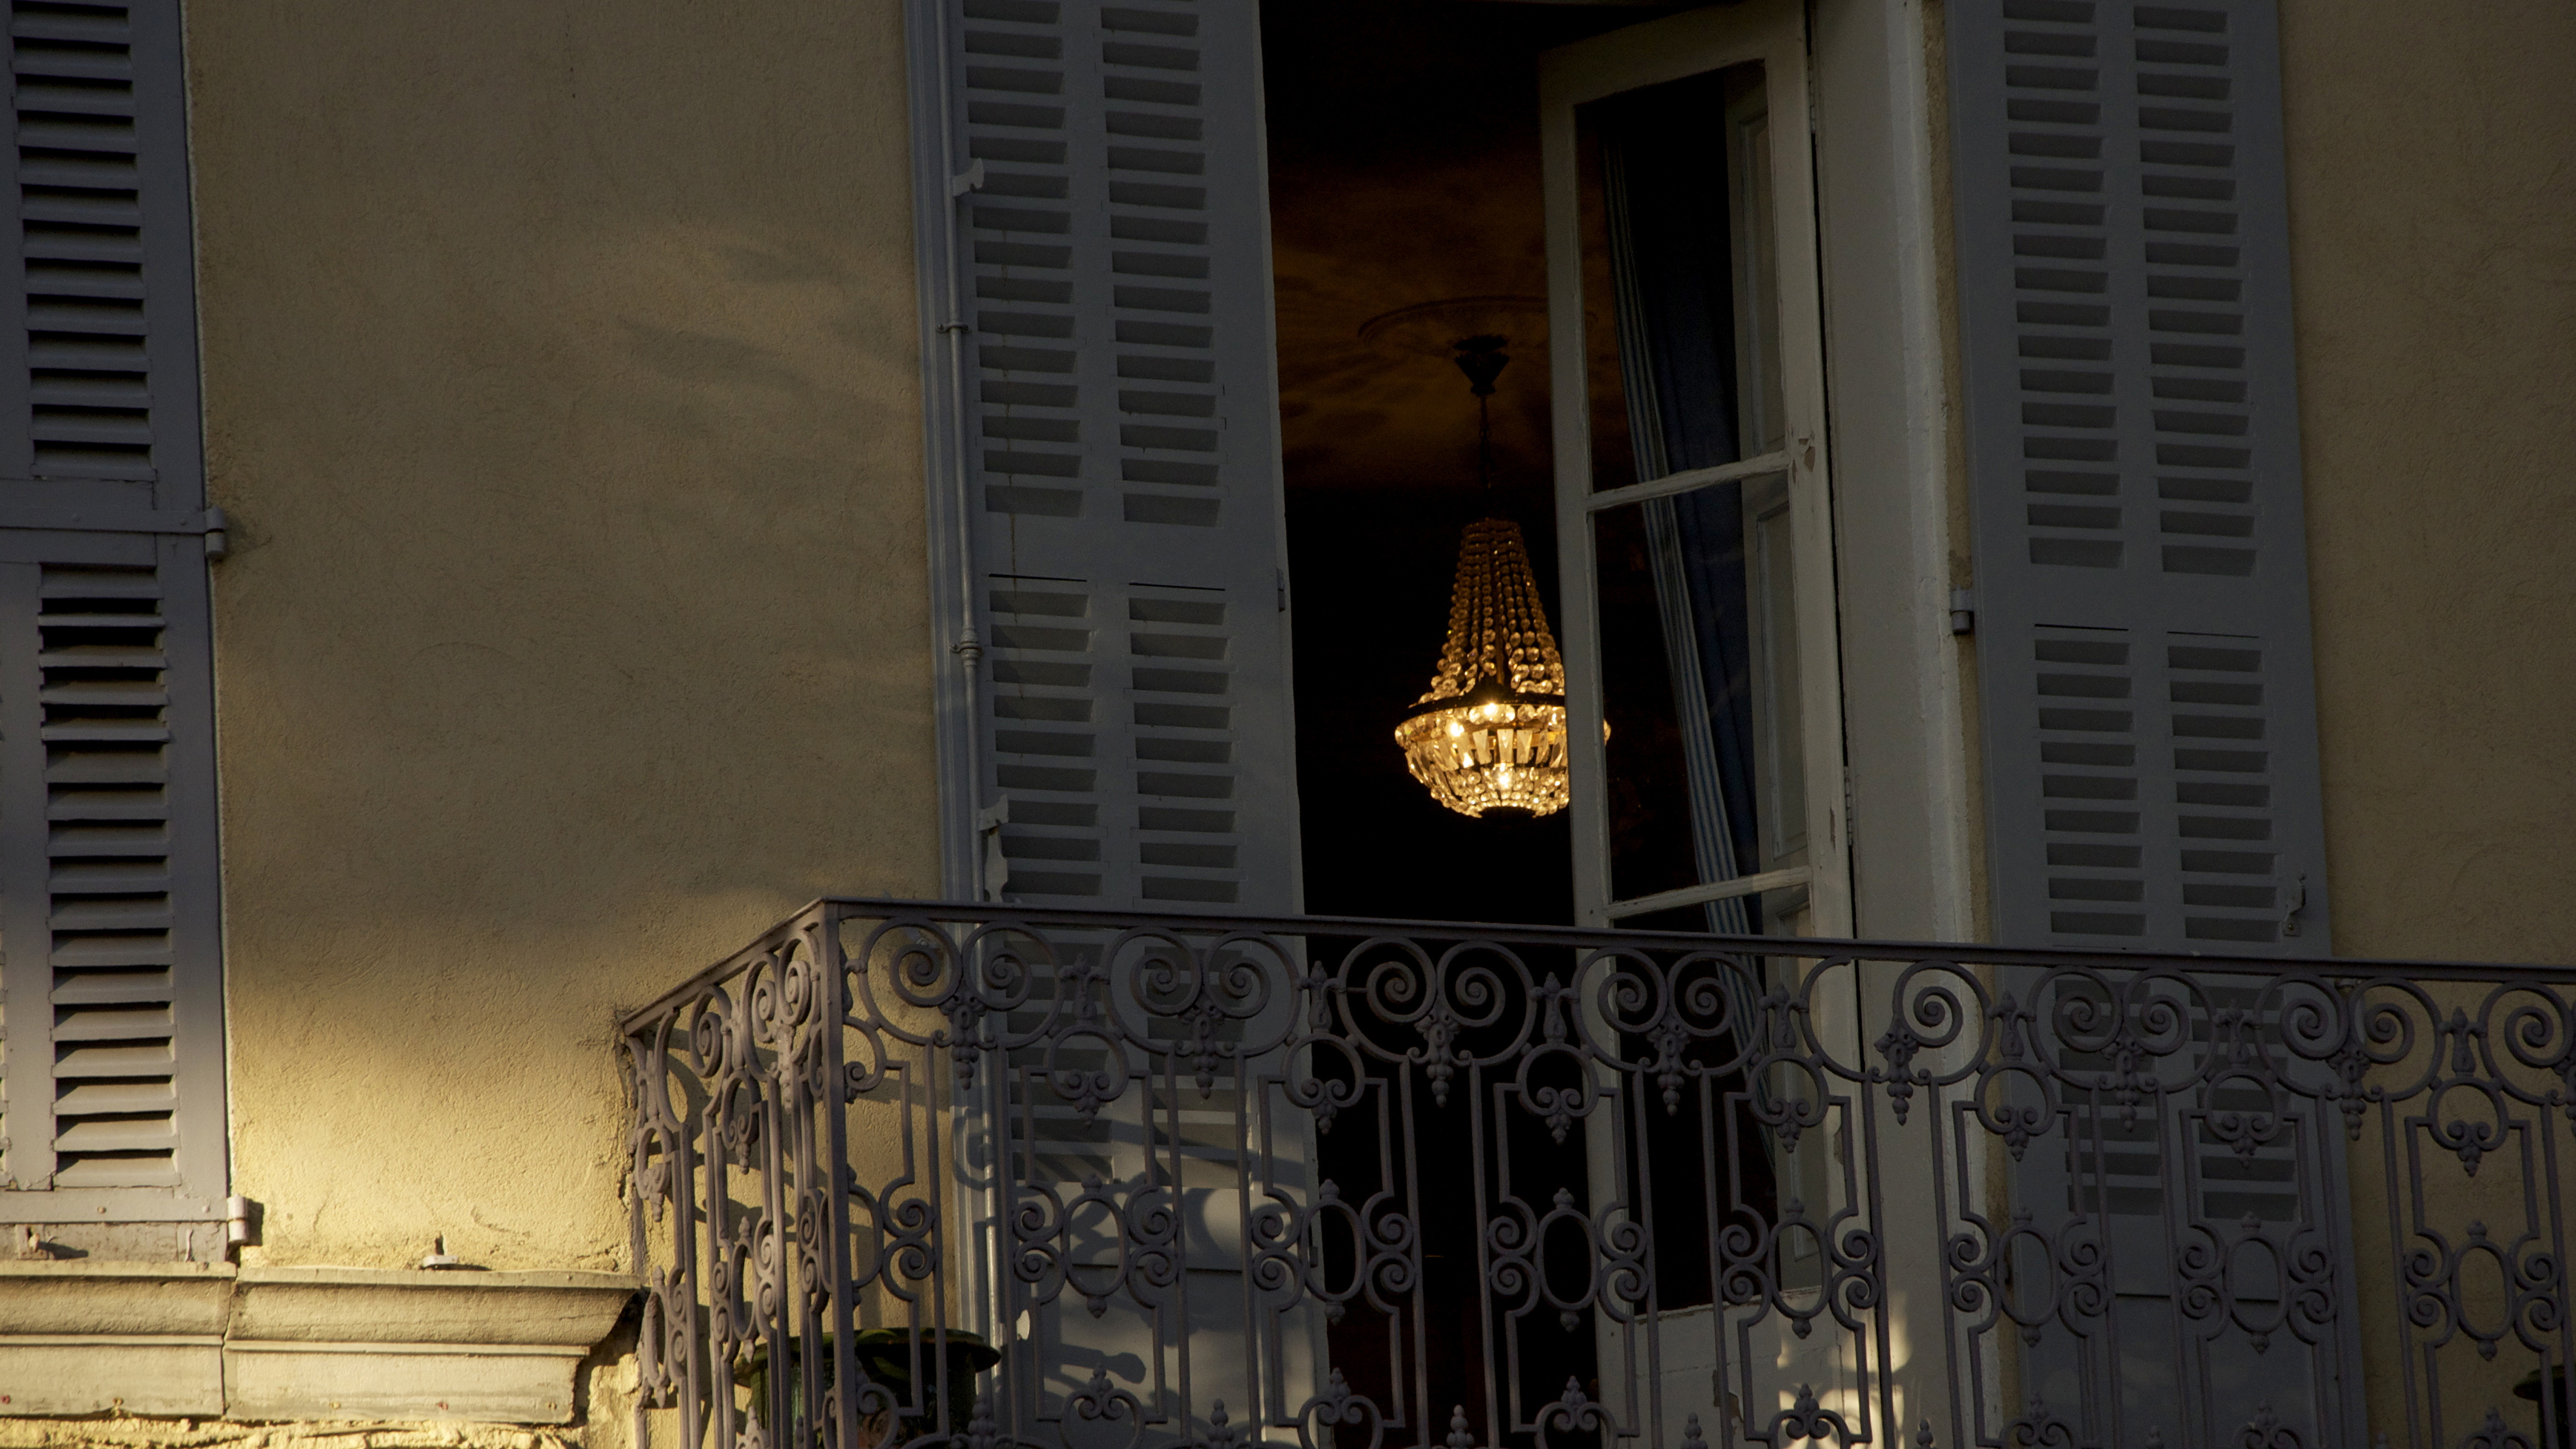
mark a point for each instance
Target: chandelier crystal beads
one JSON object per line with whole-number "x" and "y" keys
{"x": 1490, "y": 733}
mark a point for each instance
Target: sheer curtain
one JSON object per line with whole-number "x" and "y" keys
{"x": 1666, "y": 191}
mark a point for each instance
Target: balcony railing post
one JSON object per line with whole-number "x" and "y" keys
{"x": 826, "y": 1212}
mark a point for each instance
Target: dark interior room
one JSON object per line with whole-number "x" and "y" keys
{"x": 1404, "y": 171}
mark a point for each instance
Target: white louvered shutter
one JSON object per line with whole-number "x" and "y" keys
{"x": 1116, "y": 484}
{"x": 2142, "y": 614}
{"x": 1121, "y": 470}
{"x": 111, "y": 1046}
{"x": 2143, "y": 651}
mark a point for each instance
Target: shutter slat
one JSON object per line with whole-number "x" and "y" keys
{"x": 53, "y": 244}
{"x": 72, "y": 462}
{"x": 117, "y": 1097}
{"x": 78, "y": 915}
{"x": 104, "y": 177}
{"x": 153, "y": 1061}
{"x": 102, "y": 952}
{"x": 84, "y": 1171}
{"x": 99, "y": 316}
{"x": 100, "y": 24}
{"x": 114, "y": 1026}
{"x": 37, "y": 59}
{"x": 110, "y": 878}
{"x": 127, "y": 619}
{"x": 77, "y": 989}
{"x": 51, "y": 429}
{"x": 102, "y": 658}
{"x": 98, "y": 209}
{"x": 111, "y": 135}
{"x": 36, "y": 97}
{"x": 154, "y": 1136}
{"x": 105, "y": 284}
{"x": 119, "y": 734}
{"x": 89, "y": 354}
{"x": 102, "y": 805}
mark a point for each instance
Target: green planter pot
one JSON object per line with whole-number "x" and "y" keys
{"x": 886, "y": 1356}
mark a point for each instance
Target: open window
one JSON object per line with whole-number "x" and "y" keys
{"x": 1608, "y": 182}
{"x": 1692, "y": 513}
{"x": 1611, "y": 189}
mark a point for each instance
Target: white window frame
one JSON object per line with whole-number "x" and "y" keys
{"x": 1770, "y": 32}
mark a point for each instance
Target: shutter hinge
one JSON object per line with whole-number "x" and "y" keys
{"x": 968, "y": 648}
{"x": 1283, "y": 591}
{"x": 209, "y": 525}
{"x": 970, "y": 179}
{"x": 241, "y": 1223}
{"x": 997, "y": 866}
{"x": 1963, "y": 611}
{"x": 2297, "y": 902}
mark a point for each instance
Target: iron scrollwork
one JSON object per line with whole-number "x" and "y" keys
{"x": 979, "y": 1177}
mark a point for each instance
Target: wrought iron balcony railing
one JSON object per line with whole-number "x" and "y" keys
{"x": 979, "y": 1176}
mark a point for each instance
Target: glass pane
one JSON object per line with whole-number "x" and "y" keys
{"x": 1757, "y": 291}
{"x": 1696, "y": 612}
{"x": 1681, "y": 306}
{"x": 1699, "y": 673}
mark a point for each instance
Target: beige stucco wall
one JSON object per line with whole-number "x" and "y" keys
{"x": 561, "y": 380}
{"x": 2432, "y": 171}
{"x": 2432, "y": 168}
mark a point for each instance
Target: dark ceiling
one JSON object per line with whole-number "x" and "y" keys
{"x": 1404, "y": 169}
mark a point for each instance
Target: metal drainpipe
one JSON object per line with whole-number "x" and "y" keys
{"x": 969, "y": 648}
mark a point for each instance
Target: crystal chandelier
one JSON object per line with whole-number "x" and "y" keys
{"x": 1490, "y": 733}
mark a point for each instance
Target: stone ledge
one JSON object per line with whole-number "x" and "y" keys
{"x": 339, "y": 1305}
{"x": 131, "y": 1433}
{"x": 81, "y": 1296}
{"x": 299, "y": 1343}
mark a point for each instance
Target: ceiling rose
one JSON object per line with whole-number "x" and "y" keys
{"x": 1434, "y": 329}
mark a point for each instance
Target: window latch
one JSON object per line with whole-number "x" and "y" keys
{"x": 2296, "y": 901}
